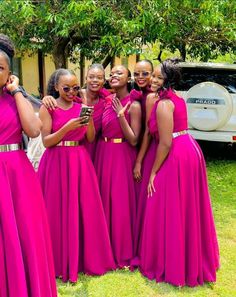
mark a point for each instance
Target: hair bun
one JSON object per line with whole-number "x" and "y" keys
{"x": 6, "y": 45}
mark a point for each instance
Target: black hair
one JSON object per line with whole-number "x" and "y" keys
{"x": 7, "y": 48}
{"x": 171, "y": 72}
{"x": 54, "y": 79}
{"x": 147, "y": 61}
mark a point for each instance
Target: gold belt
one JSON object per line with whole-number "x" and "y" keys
{"x": 176, "y": 134}
{"x": 114, "y": 140}
{"x": 68, "y": 143}
{"x": 11, "y": 147}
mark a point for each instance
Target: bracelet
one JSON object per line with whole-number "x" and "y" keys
{"x": 120, "y": 115}
{"x": 17, "y": 90}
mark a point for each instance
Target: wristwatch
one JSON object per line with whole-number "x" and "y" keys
{"x": 21, "y": 90}
{"x": 18, "y": 89}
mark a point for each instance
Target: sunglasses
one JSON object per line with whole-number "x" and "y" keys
{"x": 74, "y": 89}
{"x": 142, "y": 73}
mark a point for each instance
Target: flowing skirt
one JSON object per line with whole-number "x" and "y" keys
{"x": 77, "y": 222}
{"x": 26, "y": 260}
{"x": 179, "y": 243}
{"x": 114, "y": 164}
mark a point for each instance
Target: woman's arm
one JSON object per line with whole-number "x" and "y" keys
{"x": 31, "y": 124}
{"x": 164, "y": 115}
{"x": 132, "y": 131}
{"x": 52, "y": 139}
{"x": 151, "y": 99}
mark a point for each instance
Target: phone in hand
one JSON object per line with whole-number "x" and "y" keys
{"x": 86, "y": 112}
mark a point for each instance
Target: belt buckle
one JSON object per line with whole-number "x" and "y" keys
{"x": 117, "y": 140}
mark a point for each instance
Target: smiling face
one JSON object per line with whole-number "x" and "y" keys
{"x": 68, "y": 87}
{"x": 119, "y": 77}
{"x": 142, "y": 73}
{"x": 4, "y": 70}
{"x": 157, "y": 79}
{"x": 95, "y": 79}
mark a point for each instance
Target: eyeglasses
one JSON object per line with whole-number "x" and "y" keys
{"x": 74, "y": 89}
{"x": 142, "y": 73}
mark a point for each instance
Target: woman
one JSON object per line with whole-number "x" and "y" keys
{"x": 121, "y": 124}
{"x": 26, "y": 262}
{"x": 93, "y": 95}
{"x": 79, "y": 233}
{"x": 179, "y": 243}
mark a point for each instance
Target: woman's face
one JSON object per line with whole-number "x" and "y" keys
{"x": 119, "y": 77}
{"x": 68, "y": 87}
{"x": 4, "y": 70}
{"x": 142, "y": 74}
{"x": 157, "y": 79}
{"x": 95, "y": 79}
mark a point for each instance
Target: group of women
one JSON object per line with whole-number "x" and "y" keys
{"x": 124, "y": 186}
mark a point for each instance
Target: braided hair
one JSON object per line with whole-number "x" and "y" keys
{"x": 6, "y": 48}
{"x": 54, "y": 79}
{"x": 171, "y": 72}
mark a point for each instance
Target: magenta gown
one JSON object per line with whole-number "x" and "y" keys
{"x": 79, "y": 232}
{"x": 26, "y": 261}
{"x": 179, "y": 244}
{"x": 97, "y": 119}
{"x": 114, "y": 164}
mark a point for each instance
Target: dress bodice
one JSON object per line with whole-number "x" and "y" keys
{"x": 61, "y": 116}
{"x": 10, "y": 125}
{"x": 179, "y": 115}
{"x": 110, "y": 122}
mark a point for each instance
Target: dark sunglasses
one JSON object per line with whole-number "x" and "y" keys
{"x": 142, "y": 73}
{"x": 67, "y": 89}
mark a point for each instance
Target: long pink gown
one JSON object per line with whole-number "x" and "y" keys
{"x": 114, "y": 165}
{"x": 179, "y": 243}
{"x": 97, "y": 119}
{"x": 26, "y": 261}
{"x": 79, "y": 232}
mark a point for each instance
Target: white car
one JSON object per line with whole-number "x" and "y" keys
{"x": 210, "y": 92}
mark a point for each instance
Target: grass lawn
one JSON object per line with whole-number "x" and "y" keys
{"x": 122, "y": 283}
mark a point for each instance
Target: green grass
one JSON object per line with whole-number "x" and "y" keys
{"x": 122, "y": 283}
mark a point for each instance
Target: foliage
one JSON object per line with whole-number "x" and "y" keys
{"x": 99, "y": 29}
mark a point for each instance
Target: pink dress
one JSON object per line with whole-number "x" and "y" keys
{"x": 179, "y": 243}
{"x": 26, "y": 261}
{"x": 114, "y": 164}
{"x": 79, "y": 232}
{"x": 97, "y": 119}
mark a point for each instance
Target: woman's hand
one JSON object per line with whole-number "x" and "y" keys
{"x": 151, "y": 188}
{"x": 118, "y": 107}
{"x": 49, "y": 102}
{"x": 12, "y": 83}
{"x": 137, "y": 172}
{"x": 76, "y": 123}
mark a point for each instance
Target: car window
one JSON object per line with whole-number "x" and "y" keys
{"x": 193, "y": 76}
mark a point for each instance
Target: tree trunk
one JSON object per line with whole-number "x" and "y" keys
{"x": 108, "y": 59}
{"x": 59, "y": 52}
{"x": 182, "y": 50}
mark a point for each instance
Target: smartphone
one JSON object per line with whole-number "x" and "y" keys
{"x": 86, "y": 112}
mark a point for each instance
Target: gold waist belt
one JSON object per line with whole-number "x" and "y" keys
{"x": 176, "y": 134}
{"x": 68, "y": 143}
{"x": 11, "y": 147}
{"x": 114, "y": 140}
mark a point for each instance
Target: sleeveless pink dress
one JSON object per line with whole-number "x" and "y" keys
{"x": 179, "y": 243}
{"x": 79, "y": 232}
{"x": 114, "y": 165}
{"x": 26, "y": 261}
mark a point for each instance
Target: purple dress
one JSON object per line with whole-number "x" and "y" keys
{"x": 114, "y": 164}
{"x": 79, "y": 232}
{"x": 26, "y": 261}
{"x": 179, "y": 243}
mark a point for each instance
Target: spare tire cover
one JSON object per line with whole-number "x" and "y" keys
{"x": 209, "y": 106}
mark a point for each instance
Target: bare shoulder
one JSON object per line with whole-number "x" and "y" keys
{"x": 165, "y": 105}
{"x": 135, "y": 105}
